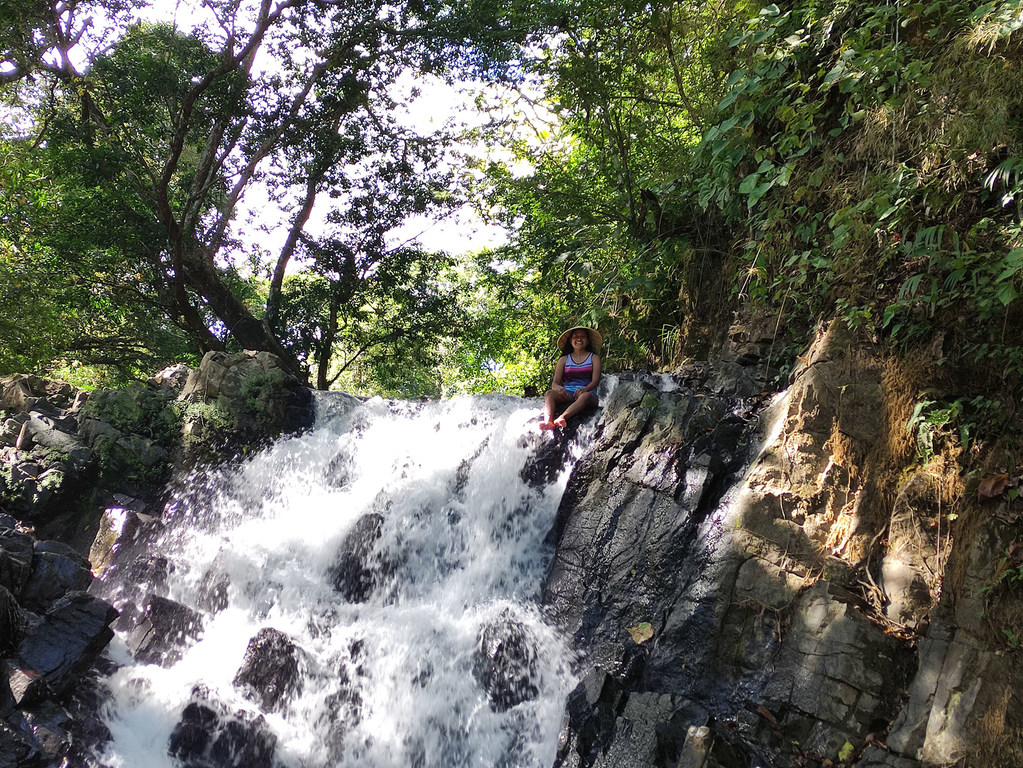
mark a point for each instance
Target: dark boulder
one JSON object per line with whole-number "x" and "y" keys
{"x": 11, "y": 623}
{"x": 16, "y": 750}
{"x": 270, "y": 673}
{"x": 193, "y": 735}
{"x": 207, "y": 736}
{"x": 359, "y": 569}
{"x": 50, "y": 725}
{"x": 213, "y": 590}
{"x": 243, "y": 741}
{"x": 505, "y": 663}
{"x": 165, "y": 630}
{"x": 15, "y": 559}
{"x": 548, "y": 461}
{"x": 27, "y": 687}
{"x": 150, "y": 573}
{"x": 56, "y": 570}
{"x": 66, "y": 642}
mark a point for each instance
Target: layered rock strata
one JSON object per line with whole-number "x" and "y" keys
{"x": 768, "y": 586}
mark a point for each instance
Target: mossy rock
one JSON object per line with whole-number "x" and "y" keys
{"x": 132, "y": 458}
{"x": 139, "y": 410}
{"x": 235, "y": 403}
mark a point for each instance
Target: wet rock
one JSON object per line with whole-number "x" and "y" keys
{"x": 27, "y": 686}
{"x": 731, "y": 579}
{"x": 11, "y": 624}
{"x": 66, "y": 642}
{"x": 243, "y": 741}
{"x": 50, "y": 725}
{"x": 651, "y": 730}
{"x": 121, "y": 539}
{"x": 359, "y": 569}
{"x": 548, "y": 461}
{"x": 194, "y": 733}
{"x": 89, "y": 734}
{"x": 606, "y": 725}
{"x": 16, "y": 750}
{"x": 344, "y": 706}
{"x": 56, "y": 570}
{"x": 270, "y": 674}
{"x": 150, "y": 573}
{"x": 15, "y": 559}
{"x": 505, "y": 663}
{"x": 213, "y": 590}
{"x": 207, "y": 736}
{"x": 632, "y": 507}
{"x": 164, "y": 632}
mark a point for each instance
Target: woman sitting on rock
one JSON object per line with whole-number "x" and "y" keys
{"x": 576, "y": 376}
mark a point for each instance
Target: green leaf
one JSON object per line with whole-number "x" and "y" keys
{"x": 846, "y": 752}
{"x": 747, "y": 185}
{"x": 758, "y": 192}
{"x": 735, "y": 77}
{"x": 1007, "y": 293}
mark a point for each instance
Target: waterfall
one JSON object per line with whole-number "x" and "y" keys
{"x": 390, "y": 649}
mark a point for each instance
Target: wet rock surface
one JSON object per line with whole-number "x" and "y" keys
{"x": 719, "y": 567}
{"x": 51, "y": 635}
{"x": 164, "y": 631}
{"x": 271, "y": 672}
{"x": 359, "y": 568}
{"x": 209, "y": 735}
{"x": 505, "y": 663}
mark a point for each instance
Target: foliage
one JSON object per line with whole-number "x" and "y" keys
{"x": 205, "y": 424}
{"x": 847, "y": 159}
{"x": 605, "y": 219}
{"x": 870, "y": 151}
{"x": 683, "y": 160}
{"x": 135, "y": 166}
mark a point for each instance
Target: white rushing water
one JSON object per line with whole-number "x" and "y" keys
{"x": 463, "y": 534}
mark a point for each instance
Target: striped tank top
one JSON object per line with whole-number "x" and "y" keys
{"x": 578, "y": 375}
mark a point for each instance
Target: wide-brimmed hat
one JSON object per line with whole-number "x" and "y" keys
{"x": 595, "y": 340}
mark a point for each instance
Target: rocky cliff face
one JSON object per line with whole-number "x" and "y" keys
{"x": 778, "y": 586}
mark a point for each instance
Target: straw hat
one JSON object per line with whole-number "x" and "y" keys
{"x": 595, "y": 339}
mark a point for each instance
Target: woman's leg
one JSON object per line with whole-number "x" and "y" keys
{"x": 554, "y": 396}
{"x": 581, "y": 403}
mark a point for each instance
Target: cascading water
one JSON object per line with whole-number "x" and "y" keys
{"x": 390, "y": 649}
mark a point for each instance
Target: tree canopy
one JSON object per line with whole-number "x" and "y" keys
{"x": 810, "y": 160}
{"x": 141, "y": 156}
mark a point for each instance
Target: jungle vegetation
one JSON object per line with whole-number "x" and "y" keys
{"x": 659, "y": 166}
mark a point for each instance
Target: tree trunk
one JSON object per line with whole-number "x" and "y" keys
{"x": 249, "y": 331}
